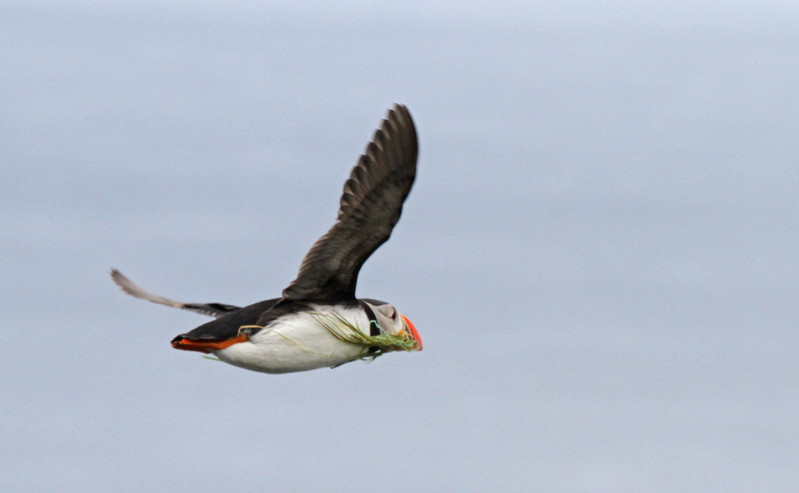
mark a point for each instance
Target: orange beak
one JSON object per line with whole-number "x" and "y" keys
{"x": 414, "y": 334}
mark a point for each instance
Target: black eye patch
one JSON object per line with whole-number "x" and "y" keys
{"x": 374, "y": 327}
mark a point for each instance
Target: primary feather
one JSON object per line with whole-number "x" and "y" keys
{"x": 370, "y": 207}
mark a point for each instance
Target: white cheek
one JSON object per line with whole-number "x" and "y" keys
{"x": 394, "y": 326}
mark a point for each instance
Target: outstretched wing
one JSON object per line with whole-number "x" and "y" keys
{"x": 370, "y": 207}
{"x": 210, "y": 309}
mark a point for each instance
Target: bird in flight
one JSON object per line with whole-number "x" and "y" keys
{"x": 318, "y": 322}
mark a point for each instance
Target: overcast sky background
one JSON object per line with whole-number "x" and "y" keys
{"x": 600, "y": 251}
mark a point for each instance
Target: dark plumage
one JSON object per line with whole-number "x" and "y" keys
{"x": 370, "y": 207}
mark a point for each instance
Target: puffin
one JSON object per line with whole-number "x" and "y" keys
{"x": 317, "y": 321}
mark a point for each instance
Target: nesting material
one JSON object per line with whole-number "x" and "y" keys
{"x": 373, "y": 346}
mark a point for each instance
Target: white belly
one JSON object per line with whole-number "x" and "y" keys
{"x": 295, "y": 343}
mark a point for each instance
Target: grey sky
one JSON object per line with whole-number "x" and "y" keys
{"x": 599, "y": 251}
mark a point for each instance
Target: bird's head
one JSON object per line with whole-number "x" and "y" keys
{"x": 391, "y": 321}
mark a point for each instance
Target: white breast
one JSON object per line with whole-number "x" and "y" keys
{"x": 297, "y": 343}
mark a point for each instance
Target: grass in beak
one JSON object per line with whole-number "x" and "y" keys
{"x": 373, "y": 346}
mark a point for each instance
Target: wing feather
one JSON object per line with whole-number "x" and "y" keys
{"x": 210, "y": 309}
{"x": 370, "y": 206}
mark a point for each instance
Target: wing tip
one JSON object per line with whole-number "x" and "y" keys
{"x": 400, "y": 116}
{"x": 124, "y": 283}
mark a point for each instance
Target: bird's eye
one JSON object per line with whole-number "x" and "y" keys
{"x": 394, "y": 315}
